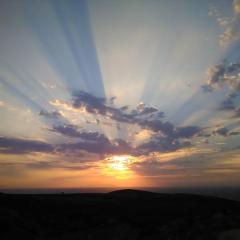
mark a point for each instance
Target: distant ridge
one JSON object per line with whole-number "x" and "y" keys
{"x": 173, "y": 197}
{"x": 132, "y": 193}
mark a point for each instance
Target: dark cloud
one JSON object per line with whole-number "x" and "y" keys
{"x": 143, "y": 109}
{"x": 161, "y": 144}
{"x": 72, "y": 131}
{"x": 157, "y": 125}
{"x": 58, "y": 164}
{"x": 51, "y": 115}
{"x": 92, "y": 143}
{"x": 97, "y": 105}
{"x": 227, "y": 104}
{"x": 222, "y": 131}
{"x": 98, "y": 147}
{"x": 187, "y": 132}
{"x": 23, "y": 146}
{"x": 146, "y": 117}
{"x": 169, "y": 130}
{"x": 91, "y": 103}
{"x": 165, "y": 136}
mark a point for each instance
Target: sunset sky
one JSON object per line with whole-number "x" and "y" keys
{"x": 128, "y": 93}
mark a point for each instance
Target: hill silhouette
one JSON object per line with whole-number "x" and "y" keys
{"x": 132, "y": 193}
{"x": 123, "y": 214}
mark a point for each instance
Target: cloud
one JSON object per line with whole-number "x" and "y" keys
{"x": 59, "y": 164}
{"x": 156, "y": 125}
{"x": 151, "y": 167}
{"x": 145, "y": 117}
{"x": 72, "y": 131}
{"x": 91, "y": 103}
{"x": 163, "y": 136}
{"x": 23, "y": 146}
{"x": 236, "y": 113}
{"x": 225, "y": 74}
{"x": 193, "y": 160}
{"x": 187, "y": 132}
{"x": 92, "y": 142}
{"x": 51, "y": 114}
{"x": 168, "y": 129}
{"x": 161, "y": 144}
{"x": 100, "y": 106}
{"x": 143, "y": 109}
{"x": 231, "y": 27}
{"x": 116, "y": 146}
{"x": 227, "y": 104}
{"x": 222, "y": 131}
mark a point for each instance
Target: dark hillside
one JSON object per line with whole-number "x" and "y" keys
{"x": 125, "y": 214}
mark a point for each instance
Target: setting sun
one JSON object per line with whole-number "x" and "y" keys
{"x": 119, "y": 166}
{"x": 120, "y": 163}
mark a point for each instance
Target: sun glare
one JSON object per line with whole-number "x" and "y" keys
{"x": 120, "y": 163}
{"x": 119, "y": 166}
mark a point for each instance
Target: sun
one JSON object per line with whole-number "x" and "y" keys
{"x": 120, "y": 163}
{"x": 119, "y": 166}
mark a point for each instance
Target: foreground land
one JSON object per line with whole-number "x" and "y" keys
{"x": 119, "y": 215}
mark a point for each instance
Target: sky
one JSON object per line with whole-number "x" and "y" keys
{"x": 129, "y": 93}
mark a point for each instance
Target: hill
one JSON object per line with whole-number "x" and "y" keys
{"x": 124, "y": 214}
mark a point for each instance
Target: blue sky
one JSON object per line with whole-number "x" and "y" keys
{"x": 134, "y": 93}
